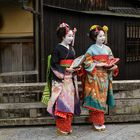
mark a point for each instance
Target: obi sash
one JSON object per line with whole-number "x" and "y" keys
{"x": 110, "y": 62}
{"x": 66, "y": 63}
{"x": 101, "y": 58}
{"x": 105, "y": 58}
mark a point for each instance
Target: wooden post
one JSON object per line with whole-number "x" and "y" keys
{"x": 42, "y": 43}
{"x": 36, "y": 35}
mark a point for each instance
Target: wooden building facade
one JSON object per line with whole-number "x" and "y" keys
{"x": 122, "y": 18}
{"x": 17, "y": 43}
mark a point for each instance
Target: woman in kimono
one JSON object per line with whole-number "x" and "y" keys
{"x": 97, "y": 80}
{"x": 64, "y": 100}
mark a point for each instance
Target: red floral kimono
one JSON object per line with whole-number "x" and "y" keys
{"x": 97, "y": 83}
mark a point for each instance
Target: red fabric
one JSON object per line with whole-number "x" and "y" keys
{"x": 64, "y": 124}
{"x": 100, "y": 57}
{"x": 112, "y": 61}
{"x": 115, "y": 72}
{"x": 61, "y": 114}
{"x": 81, "y": 72}
{"x": 96, "y": 117}
{"x": 105, "y": 58}
{"x": 66, "y": 62}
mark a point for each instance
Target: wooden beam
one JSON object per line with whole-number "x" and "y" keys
{"x": 18, "y": 73}
{"x": 117, "y": 85}
{"x": 4, "y": 106}
{"x": 21, "y": 87}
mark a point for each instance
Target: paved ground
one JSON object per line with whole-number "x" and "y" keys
{"x": 81, "y": 132}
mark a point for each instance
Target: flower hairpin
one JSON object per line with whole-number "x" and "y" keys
{"x": 64, "y": 25}
{"x": 93, "y": 27}
{"x": 105, "y": 28}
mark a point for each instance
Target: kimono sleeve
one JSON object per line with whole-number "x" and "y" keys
{"x": 55, "y": 64}
{"x": 115, "y": 72}
{"x": 110, "y": 53}
{"x": 89, "y": 64}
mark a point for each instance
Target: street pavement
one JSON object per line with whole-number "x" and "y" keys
{"x": 80, "y": 132}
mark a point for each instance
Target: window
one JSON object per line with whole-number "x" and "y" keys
{"x": 132, "y": 43}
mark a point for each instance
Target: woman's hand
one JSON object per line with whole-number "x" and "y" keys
{"x": 78, "y": 68}
{"x": 101, "y": 64}
{"x": 70, "y": 70}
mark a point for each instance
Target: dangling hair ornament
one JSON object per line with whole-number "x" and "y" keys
{"x": 65, "y": 25}
{"x": 74, "y": 31}
{"x": 96, "y": 30}
{"x": 105, "y": 29}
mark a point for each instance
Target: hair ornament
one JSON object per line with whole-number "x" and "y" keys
{"x": 74, "y": 30}
{"x": 105, "y": 28}
{"x": 96, "y": 30}
{"x": 93, "y": 27}
{"x": 64, "y": 25}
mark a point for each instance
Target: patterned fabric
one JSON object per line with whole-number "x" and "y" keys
{"x": 61, "y": 114}
{"x": 98, "y": 90}
{"x": 96, "y": 117}
{"x": 64, "y": 91}
{"x": 64, "y": 124}
{"x": 47, "y": 90}
{"x": 64, "y": 97}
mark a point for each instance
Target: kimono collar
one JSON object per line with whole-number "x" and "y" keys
{"x": 65, "y": 46}
{"x": 100, "y": 46}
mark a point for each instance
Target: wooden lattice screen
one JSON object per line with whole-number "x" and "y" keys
{"x": 132, "y": 43}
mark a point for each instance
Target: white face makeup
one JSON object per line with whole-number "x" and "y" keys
{"x": 100, "y": 38}
{"x": 68, "y": 38}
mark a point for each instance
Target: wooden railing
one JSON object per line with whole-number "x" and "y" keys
{"x": 22, "y": 76}
{"x": 20, "y": 104}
